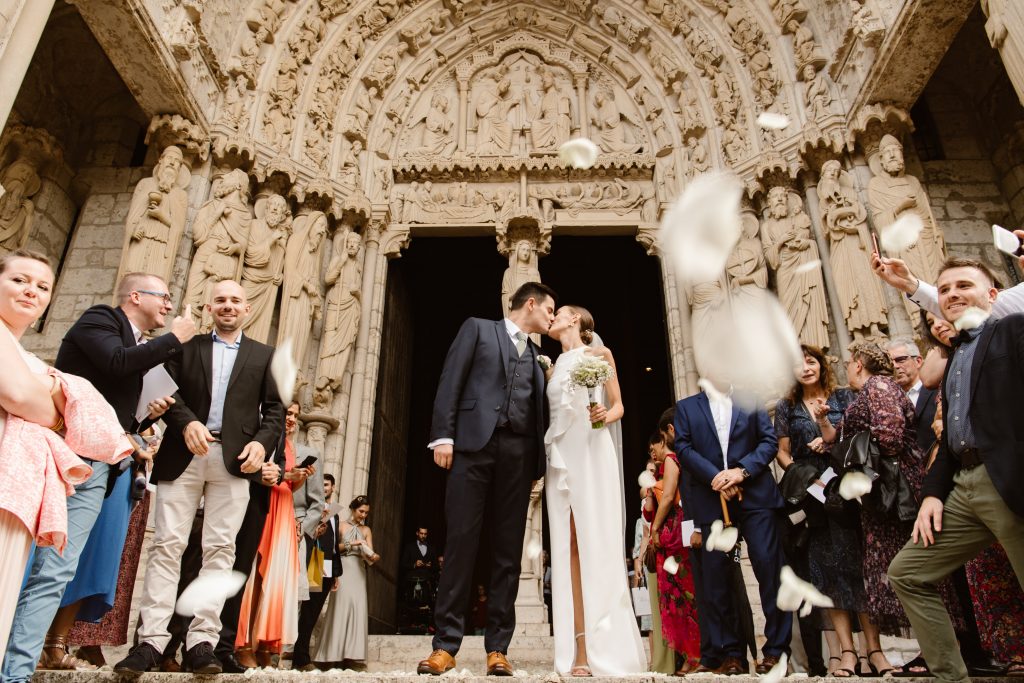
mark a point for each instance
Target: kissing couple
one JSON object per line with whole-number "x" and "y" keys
{"x": 504, "y": 417}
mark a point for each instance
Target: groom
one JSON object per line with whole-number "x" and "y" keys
{"x": 490, "y": 415}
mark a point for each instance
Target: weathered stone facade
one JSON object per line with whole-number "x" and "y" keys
{"x": 391, "y": 120}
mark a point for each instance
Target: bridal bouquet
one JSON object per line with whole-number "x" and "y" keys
{"x": 590, "y": 373}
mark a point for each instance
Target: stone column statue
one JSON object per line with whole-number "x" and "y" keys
{"x": 844, "y": 220}
{"x": 263, "y": 263}
{"x": 302, "y": 298}
{"x": 156, "y": 218}
{"x": 705, "y": 299}
{"x": 522, "y": 268}
{"x": 746, "y": 268}
{"x": 790, "y": 251}
{"x": 1005, "y": 30}
{"x": 220, "y": 233}
{"x": 20, "y": 183}
{"x": 892, "y": 194}
{"x": 341, "y": 319}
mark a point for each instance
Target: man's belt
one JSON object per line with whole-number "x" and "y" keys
{"x": 970, "y": 458}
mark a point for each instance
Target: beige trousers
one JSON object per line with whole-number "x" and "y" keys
{"x": 15, "y": 543}
{"x": 174, "y": 510}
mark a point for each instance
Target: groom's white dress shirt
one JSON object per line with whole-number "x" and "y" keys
{"x": 513, "y": 330}
{"x": 721, "y": 413}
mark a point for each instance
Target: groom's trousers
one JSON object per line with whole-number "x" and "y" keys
{"x": 487, "y": 492}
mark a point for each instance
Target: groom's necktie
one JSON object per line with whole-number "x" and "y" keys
{"x": 520, "y": 342}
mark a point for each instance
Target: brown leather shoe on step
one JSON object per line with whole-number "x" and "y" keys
{"x": 497, "y": 665}
{"x": 766, "y": 664}
{"x": 436, "y": 664}
{"x": 732, "y": 666}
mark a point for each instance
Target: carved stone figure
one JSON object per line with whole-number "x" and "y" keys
{"x": 624, "y": 68}
{"x": 303, "y": 41}
{"x": 616, "y": 23}
{"x": 701, "y": 46}
{"x": 844, "y": 218}
{"x": 156, "y": 218}
{"x": 388, "y": 131}
{"x": 690, "y": 118}
{"x": 664, "y": 64}
{"x": 817, "y": 92}
{"x": 705, "y": 299}
{"x": 318, "y": 141}
{"x": 789, "y": 248}
{"x": 787, "y": 11}
{"x": 236, "y": 105}
{"x": 277, "y": 123}
{"x": 865, "y": 24}
{"x": 437, "y": 129}
{"x": 891, "y": 194}
{"x": 805, "y": 48}
{"x": 20, "y": 183}
{"x": 302, "y": 297}
{"x": 262, "y": 265}
{"x": 220, "y": 232}
{"x": 765, "y": 80}
{"x": 590, "y": 43}
{"x": 551, "y": 114}
{"x": 609, "y": 125}
{"x": 343, "y": 309}
{"x": 249, "y": 60}
{"x": 746, "y": 267}
{"x": 492, "y": 107}
{"x": 430, "y": 203}
{"x": 697, "y": 155}
{"x": 522, "y": 268}
{"x": 351, "y": 174}
{"x": 363, "y": 108}
{"x": 616, "y": 195}
{"x": 1005, "y": 30}
{"x": 385, "y": 67}
{"x": 733, "y": 143}
{"x": 726, "y": 99}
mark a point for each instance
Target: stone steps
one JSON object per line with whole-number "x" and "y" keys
{"x": 402, "y": 653}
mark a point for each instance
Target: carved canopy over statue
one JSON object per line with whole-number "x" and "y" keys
{"x": 20, "y": 182}
{"x": 156, "y": 218}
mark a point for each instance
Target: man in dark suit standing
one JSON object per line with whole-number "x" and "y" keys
{"x": 972, "y": 492}
{"x": 105, "y": 347}
{"x": 225, "y": 420}
{"x": 723, "y": 448}
{"x": 488, "y": 428}
{"x": 419, "y": 555}
{"x": 309, "y": 611}
{"x": 907, "y": 361}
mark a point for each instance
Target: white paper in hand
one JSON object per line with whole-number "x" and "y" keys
{"x": 208, "y": 589}
{"x": 284, "y": 371}
{"x": 817, "y": 491}
{"x": 155, "y": 384}
{"x": 687, "y": 531}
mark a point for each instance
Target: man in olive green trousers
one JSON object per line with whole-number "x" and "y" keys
{"x": 972, "y": 492}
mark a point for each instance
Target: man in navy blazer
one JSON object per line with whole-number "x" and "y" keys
{"x": 724, "y": 451}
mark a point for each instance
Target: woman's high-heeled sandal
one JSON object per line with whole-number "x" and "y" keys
{"x": 61, "y": 660}
{"x": 579, "y": 670}
{"x": 847, "y": 673}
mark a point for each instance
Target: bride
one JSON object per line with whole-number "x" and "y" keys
{"x": 595, "y": 630}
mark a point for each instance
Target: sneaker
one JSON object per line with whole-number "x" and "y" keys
{"x": 141, "y": 658}
{"x": 199, "y": 659}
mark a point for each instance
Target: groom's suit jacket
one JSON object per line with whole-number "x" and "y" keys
{"x": 474, "y": 387}
{"x": 752, "y": 445}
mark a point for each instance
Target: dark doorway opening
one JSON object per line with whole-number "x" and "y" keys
{"x": 447, "y": 280}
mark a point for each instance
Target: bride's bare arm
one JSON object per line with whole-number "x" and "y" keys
{"x": 612, "y": 394}
{"x": 24, "y": 393}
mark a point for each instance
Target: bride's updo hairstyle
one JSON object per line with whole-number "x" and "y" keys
{"x": 586, "y": 323}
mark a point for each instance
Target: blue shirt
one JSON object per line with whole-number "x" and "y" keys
{"x": 958, "y": 393}
{"x": 224, "y": 356}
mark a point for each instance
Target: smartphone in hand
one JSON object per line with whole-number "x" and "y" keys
{"x": 310, "y": 459}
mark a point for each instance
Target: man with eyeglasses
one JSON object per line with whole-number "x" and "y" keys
{"x": 907, "y": 361}
{"x": 105, "y": 346}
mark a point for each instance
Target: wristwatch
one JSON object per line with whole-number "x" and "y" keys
{"x": 743, "y": 471}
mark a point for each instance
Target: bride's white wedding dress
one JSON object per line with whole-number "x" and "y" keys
{"x": 583, "y": 477}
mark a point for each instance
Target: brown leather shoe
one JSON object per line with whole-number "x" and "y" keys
{"x": 246, "y": 658}
{"x": 497, "y": 665}
{"x": 732, "y": 666}
{"x": 436, "y": 664}
{"x": 701, "y": 669}
{"x": 766, "y": 664}
{"x": 170, "y": 666}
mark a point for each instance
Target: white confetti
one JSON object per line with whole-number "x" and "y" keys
{"x": 721, "y": 537}
{"x": 1005, "y": 241}
{"x": 579, "y": 153}
{"x": 971, "y": 318}
{"x": 700, "y": 229}
{"x": 671, "y": 565}
{"x": 533, "y": 549}
{"x": 778, "y": 672}
{"x": 751, "y": 345}
{"x": 710, "y": 389}
{"x": 772, "y": 121}
{"x": 284, "y": 371}
{"x": 646, "y": 480}
{"x": 853, "y": 485}
{"x": 795, "y": 592}
{"x": 209, "y": 588}
{"x": 807, "y": 267}
{"x": 902, "y": 234}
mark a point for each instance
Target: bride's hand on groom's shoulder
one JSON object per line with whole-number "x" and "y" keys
{"x": 443, "y": 456}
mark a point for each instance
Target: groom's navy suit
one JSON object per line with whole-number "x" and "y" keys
{"x": 491, "y": 402}
{"x": 752, "y": 446}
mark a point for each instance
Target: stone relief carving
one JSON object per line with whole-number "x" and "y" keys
{"x": 611, "y": 127}
{"x": 20, "y": 183}
{"x": 665, "y": 66}
{"x": 787, "y": 11}
{"x": 705, "y": 299}
{"x": 235, "y": 112}
{"x": 220, "y": 232}
{"x": 551, "y": 110}
{"x": 303, "y": 42}
{"x": 789, "y": 248}
{"x": 522, "y": 268}
{"x": 437, "y": 135}
{"x": 891, "y": 194}
{"x": 622, "y": 67}
{"x": 457, "y": 202}
{"x": 697, "y": 156}
{"x": 619, "y": 196}
{"x": 385, "y": 67}
{"x": 156, "y": 218}
{"x": 805, "y": 48}
{"x": 421, "y": 33}
{"x": 844, "y": 218}
{"x": 350, "y": 175}
{"x": 615, "y": 23}
{"x": 302, "y": 295}
{"x": 701, "y": 46}
{"x": 746, "y": 268}
{"x": 818, "y": 92}
{"x": 689, "y": 116}
{"x": 341, "y": 317}
{"x": 865, "y": 24}
{"x": 672, "y": 14}
{"x": 263, "y": 263}
{"x": 492, "y": 103}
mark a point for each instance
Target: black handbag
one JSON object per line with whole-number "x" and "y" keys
{"x": 890, "y": 492}
{"x": 859, "y": 451}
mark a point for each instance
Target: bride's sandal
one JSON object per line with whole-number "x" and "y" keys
{"x": 55, "y": 657}
{"x": 579, "y": 670}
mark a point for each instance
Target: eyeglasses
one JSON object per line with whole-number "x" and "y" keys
{"x": 902, "y": 359}
{"x": 162, "y": 295}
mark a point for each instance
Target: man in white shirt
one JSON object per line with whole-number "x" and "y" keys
{"x": 906, "y": 359}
